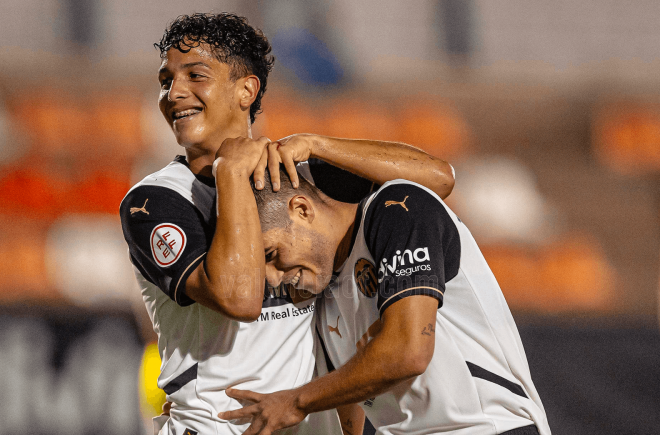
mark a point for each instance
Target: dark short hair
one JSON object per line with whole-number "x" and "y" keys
{"x": 273, "y": 206}
{"x": 233, "y": 42}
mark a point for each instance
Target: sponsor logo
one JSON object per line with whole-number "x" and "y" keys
{"x": 407, "y": 258}
{"x": 401, "y": 203}
{"x": 167, "y": 243}
{"x": 142, "y": 209}
{"x": 369, "y": 402}
{"x": 336, "y": 328}
{"x": 267, "y": 316}
{"x": 365, "y": 277}
{"x": 190, "y": 432}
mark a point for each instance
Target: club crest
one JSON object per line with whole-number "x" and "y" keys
{"x": 365, "y": 277}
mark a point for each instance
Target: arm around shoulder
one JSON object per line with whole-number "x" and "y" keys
{"x": 381, "y": 161}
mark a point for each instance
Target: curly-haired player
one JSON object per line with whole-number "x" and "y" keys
{"x": 231, "y": 40}
{"x": 194, "y": 235}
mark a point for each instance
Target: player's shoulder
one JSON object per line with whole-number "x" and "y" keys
{"x": 176, "y": 177}
{"x": 159, "y": 194}
{"x": 402, "y": 199}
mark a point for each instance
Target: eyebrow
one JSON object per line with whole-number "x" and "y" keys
{"x": 185, "y": 65}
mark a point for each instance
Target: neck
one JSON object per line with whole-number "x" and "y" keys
{"x": 343, "y": 218}
{"x": 202, "y": 155}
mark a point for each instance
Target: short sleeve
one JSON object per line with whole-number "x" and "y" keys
{"x": 414, "y": 242}
{"x": 167, "y": 237}
{"x": 338, "y": 183}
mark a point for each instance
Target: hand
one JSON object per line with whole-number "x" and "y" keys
{"x": 289, "y": 151}
{"x": 269, "y": 413}
{"x": 166, "y": 408}
{"x": 240, "y": 154}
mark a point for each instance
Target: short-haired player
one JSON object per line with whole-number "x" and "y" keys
{"x": 409, "y": 312}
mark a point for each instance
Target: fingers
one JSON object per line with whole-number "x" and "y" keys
{"x": 258, "y": 175}
{"x": 246, "y": 412}
{"x": 243, "y": 395}
{"x": 290, "y": 166}
{"x": 274, "y": 165}
{"x": 166, "y": 408}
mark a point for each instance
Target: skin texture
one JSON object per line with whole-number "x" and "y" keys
{"x": 218, "y": 134}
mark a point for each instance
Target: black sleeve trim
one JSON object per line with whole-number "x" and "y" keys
{"x": 414, "y": 291}
{"x": 414, "y": 242}
{"x": 164, "y": 207}
{"x": 179, "y": 290}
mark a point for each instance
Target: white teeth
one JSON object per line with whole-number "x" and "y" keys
{"x": 296, "y": 278}
{"x": 183, "y": 114}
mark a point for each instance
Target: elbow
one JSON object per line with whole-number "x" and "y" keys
{"x": 414, "y": 360}
{"x": 241, "y": 307}
{"x": 245, "y": 309}
{"x": 445, "y": 179}
{"x": 246, "y": 315}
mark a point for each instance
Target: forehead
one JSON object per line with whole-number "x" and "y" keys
{"x": 198, "y": 55}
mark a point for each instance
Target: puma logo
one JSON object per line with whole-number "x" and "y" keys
{"x": 335, "y": 329}
{"x": 401, "y": 203}
{"x": 143, "y": 209}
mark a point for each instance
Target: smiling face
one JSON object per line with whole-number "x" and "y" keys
{"x": 299, "y": 256}
{"x": 198, "y": 97}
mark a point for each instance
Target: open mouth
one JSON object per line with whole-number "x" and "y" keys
{"x": 178, "y": 115}
{"x": 296, "y": 278}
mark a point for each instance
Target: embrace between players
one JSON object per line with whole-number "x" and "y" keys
{"x": 379, "y": 299}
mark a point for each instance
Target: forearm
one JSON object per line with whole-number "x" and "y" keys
{"x": 374, "y": 370}
{"x": 234, "y": 266}
{"x": 351, "y": 418}
{"x": 381, "y": 161}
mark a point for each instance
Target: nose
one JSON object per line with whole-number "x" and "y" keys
{"x": 273, "y": 276}
{"x": 178, "y": 89}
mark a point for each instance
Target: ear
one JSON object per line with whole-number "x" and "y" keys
{"x": 247, "y": 91}
{"x": 300, "y": 207}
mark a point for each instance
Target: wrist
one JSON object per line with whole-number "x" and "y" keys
{"x": 301, "y": 401}
{"x": 317, "y": 145}
{"x": 222, "y": 169}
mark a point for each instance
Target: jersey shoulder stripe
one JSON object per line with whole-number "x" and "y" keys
{"x": 176, "y": 176}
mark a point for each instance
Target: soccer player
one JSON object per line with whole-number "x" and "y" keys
{"x": 194, "y": 235}
{"x": 411, "y": 316}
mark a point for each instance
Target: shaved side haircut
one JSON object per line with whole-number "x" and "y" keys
{"x": 273, "y": 206}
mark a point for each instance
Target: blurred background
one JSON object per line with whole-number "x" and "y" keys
{"x": 549, "y": 111}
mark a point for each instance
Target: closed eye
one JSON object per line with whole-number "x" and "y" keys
{"x": 270, "y": 255}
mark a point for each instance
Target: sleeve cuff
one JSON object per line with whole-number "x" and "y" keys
{"x": 413, "y": 291}
{"x": 179, "y": 291}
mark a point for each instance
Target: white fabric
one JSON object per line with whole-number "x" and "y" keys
{"x": 474, "y": 324}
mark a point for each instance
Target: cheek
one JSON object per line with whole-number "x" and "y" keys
{"x": 162, "y": 102}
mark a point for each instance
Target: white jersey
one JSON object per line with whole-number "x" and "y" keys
{"x": 168, "y": 221}
{"x": 408, "y": 242}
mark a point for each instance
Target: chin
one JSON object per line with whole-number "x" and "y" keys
{"x": 319, "y": 284}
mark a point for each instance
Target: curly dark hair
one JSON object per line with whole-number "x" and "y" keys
{"x": 233, "y": 42}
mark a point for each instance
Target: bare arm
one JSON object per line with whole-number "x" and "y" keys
{"x": 231, "y": 279}
{"x": 401, "y": 351}
{"x": 377, "y": 161}
{"x": 380, "y": 162}
{"x": 352, "y": 419}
